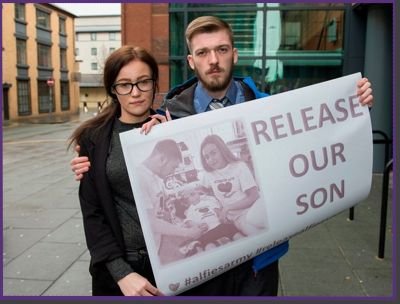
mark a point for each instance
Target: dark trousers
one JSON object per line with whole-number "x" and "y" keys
{"x": 240, "y": 281}
{"x": 103, "y": 283}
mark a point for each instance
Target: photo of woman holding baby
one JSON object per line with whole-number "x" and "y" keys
{"x": 233, "y": 185}
{"x": 225, "y": 203}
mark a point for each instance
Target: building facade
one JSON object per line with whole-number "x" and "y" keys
{"x": 147, "y": 25}
{"x": 39, "y": 75}
{"x": 282, "y": 46}
{"x": 96, "y": 38}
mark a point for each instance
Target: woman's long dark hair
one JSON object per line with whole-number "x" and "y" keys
{"x": 111, "y": 109}
{"x": 222, "y": 147}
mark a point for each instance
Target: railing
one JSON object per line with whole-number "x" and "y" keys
{"x": 384, "y": 204}
{"x": 385, "y": 140}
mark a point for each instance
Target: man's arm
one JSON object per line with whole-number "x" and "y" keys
{"x": 365, "y": 92}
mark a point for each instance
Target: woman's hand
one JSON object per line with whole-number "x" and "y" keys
{"x": 155, "y": 120}
{"x": 135, "y": 285}
{"x": 223, "y": 214}
{"x": 79, "y": 164}
{"x": 364, "y": 91}
{"x": 220, "y": 215}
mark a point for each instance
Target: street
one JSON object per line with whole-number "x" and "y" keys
{"x": 44, "y": 246}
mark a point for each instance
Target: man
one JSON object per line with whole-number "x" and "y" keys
{"x": 151, "y": 174}
{"x": 212, "y": 57}
{"x": 162, "y": 161}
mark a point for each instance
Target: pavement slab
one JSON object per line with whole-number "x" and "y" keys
{"x": 75, "y": 280}
{"x": 44, "y": 261}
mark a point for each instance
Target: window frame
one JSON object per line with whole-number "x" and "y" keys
{"x": 46, "y": 18}
{"x": 22, "y": 58}
{"x": 20, "y": 12}
{"x": 63, "y": 59}
{"x": 62, "y": 26}
{"x": 44, "y": 59}
{"x": 24, "y": 97}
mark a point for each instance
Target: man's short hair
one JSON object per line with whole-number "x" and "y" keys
{"x": 206, "y": 24}
{"x": 169, "y": 148}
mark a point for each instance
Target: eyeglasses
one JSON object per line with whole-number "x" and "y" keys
{"x": 125, "y": 88}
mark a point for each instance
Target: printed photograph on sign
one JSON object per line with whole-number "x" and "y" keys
{"x": 201, "y": 191}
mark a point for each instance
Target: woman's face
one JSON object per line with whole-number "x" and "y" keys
{"x": 135, "y": 106}
{"x": 213, "y": 157}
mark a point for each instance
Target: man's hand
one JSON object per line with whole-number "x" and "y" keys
{"x": 79, "y": 164}
{"x": 135, "y": 285}
{"x": 364, "y": 91}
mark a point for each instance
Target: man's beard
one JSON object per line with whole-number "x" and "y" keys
{"x": 215, "y": 84}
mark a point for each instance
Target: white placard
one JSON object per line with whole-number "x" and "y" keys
{"x": 309, "y": 152}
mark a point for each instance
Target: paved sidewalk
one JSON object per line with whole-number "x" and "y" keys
{"x": 44, "y": 246}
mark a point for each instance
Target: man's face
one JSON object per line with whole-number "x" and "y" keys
{"x": 212, "y": 59}
{"x": 169, "y": 167}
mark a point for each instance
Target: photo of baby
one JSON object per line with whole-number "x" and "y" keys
{"x": 207, "y": 194}
{"x": 205, "y": 211}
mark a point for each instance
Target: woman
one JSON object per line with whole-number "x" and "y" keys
{"x": 119, "y": 261}
{"x": 233, "y": 184}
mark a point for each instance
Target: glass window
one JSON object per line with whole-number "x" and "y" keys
{"x": 297, "y": 76}
{"x": 44, "y": 55}
{"x": 20, "y": 11}
{"x": 46, "y": 102}
{"x": 112, "y": 49}
{"x": 281, "y": 46}
{"x": 65, "y": 105}
{"x": 63, "y": 59}
{"x": 179, "y": 72}
{"x": 177, "y": 34}
{"x": 312, "y": 30}
{"x": 93, "y": 36}
{"x": 315, "y": 4}
{"x": 62, "y": 26}
{"x": 21, "y": 52}
{"x": 93, "y": 51}
{"x": 76, "y": 51}
{"x": 94, "y": 66}
{"x": 112, "y": 36}
{"x": 24, "y": 97}
{"x": 42, "y": 19}
{"x": 245, "y": 24}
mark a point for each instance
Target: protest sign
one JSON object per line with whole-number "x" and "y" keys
{"x": 301, "y": 157}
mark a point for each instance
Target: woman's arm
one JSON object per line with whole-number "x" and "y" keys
{"x": 100, "y": 238}
{"x": 244, "y": 202}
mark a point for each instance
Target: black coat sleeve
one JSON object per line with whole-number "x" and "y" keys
{"x": 99, "y": 216}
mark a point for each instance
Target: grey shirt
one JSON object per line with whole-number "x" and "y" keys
{"x": 118, "y": 178}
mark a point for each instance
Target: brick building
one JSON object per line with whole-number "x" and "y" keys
{"x": 39, "y": 74}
